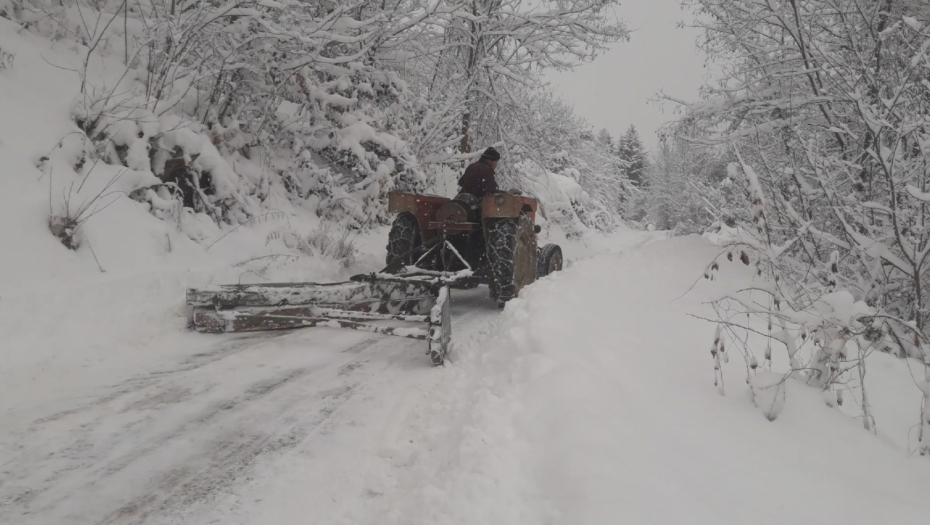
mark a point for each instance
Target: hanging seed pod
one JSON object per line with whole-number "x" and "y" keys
{"x": 753, "y": 363}
{"x": 834, "y": 269}
{"x": 730, "y": 256}
{"x": 744, "y": 258}
{"x": 839, "y": 397}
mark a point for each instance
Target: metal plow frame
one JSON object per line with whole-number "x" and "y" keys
{"x": 357, "y": 304}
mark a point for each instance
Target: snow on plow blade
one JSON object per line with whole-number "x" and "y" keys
{"x": 365, "y": 303}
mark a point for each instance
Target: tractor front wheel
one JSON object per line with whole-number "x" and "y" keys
{"x": 403, "y": 242}
{"x": 511, "y": 250}
{"x": 550, "y": 260}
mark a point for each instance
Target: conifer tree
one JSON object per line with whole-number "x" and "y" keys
{"x": 632, "y": 152}
{"x": 604, "y": 138}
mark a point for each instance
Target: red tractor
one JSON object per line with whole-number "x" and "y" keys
{"x": 435, "y": 244}
{"x": 490, "y": 241}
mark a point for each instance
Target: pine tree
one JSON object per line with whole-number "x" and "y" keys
{"x": 604, "y": 138}
{"x": 632, "y": 152}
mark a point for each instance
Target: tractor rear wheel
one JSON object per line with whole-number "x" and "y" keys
{"x": 403, "y": 242}
{"x": 511, "y": 250}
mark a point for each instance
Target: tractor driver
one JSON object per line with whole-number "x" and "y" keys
{"x": 478, "y": 179}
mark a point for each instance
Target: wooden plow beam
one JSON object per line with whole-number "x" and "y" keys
{"x": 364, "y": 304}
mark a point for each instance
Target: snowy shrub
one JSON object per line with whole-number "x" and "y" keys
{"x": 83, "y": 193}
{"x": 233, "y": 105}
{"x": 336, "y": 244}
{"x": 830, "y": 153}
{"x": 8, "y": 9}
{"x": 76, "y": 189}
{"x": 329, "y": 241}
{"x": 768, "y": 393}
{"x": 560, "y": 197}
{"x": 6, "y": 60}
{"x": 165, "y": 201}
{"x": 718, "y": 353}
{"x": 686, "y": 188}
{"x": 178, "y": 151}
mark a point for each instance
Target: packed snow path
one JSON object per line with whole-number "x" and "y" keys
{"x": 589, "y": 400}
{"x": 207, "y": 432}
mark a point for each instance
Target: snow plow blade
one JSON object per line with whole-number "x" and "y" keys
{"x": 365, "y": 303}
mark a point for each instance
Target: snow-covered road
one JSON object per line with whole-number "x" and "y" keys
{"x": 588, "y": 400}
{"x": 218, "y": 431}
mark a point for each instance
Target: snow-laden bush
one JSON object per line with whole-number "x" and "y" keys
{"x": 768, "y": 393}
{"x": 831, "y": 132}
{"x": 230, "y": 106}
{"x": 558, "y": 197}
{"x": 244, "y": 83}
{"x": 686, "y": 188}
{"x": 336, "y": 245}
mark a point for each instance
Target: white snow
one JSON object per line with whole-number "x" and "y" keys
{"x": 551, "y": 188}
{"x": 589, "y": 399}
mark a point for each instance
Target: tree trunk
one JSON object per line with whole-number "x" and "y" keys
{"x": 465, "y": 147}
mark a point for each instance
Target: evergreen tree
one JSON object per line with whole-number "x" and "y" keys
{"x": 632, "y": 152}
{"x": 604, "y": 138}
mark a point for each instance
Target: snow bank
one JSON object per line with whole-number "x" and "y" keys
{"x": 592, "y": 401}
{"x": 560, "y": 198}
{"x": 551, "y": 189}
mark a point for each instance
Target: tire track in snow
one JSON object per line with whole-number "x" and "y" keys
{"x": 178, "y": 443}
{"x": 154, "y": 378}
{"x": 87, "y": 417}
{"x": 48, "y": 477}
{"x": 229, "y": 458}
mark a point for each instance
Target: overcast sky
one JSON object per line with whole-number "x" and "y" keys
{"x": 615, "y": 90}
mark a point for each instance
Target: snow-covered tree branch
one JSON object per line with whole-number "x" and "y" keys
{"x": 825, "y": 105}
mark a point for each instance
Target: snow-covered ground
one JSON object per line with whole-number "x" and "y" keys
{"x": 588, "y": 400}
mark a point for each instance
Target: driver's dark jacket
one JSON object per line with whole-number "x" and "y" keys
{"x": 478, "y": 179}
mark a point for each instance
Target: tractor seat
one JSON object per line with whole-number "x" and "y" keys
{"x": 470, "y": 200}
{"x": 461, "y": 209}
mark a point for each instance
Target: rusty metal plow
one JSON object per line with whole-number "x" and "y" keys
{"x": 367, "y": 303}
